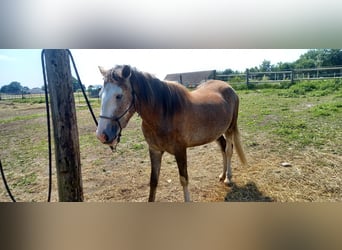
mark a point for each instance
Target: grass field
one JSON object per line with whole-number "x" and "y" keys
{"x": 299, "y": 125}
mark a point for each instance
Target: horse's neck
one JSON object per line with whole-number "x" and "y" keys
{"x": 159, "y": 101}
{"x": 149, "y": 113}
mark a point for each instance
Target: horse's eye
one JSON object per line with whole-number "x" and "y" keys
{"x": 118, "y": 97}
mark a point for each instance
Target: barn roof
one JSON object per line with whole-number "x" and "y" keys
{"x": 191, "y": 78}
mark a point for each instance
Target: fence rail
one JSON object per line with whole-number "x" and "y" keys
{"x": 283, "y": 76}
{"x": 41, "y": 96}
{"x": 4, "y": 96}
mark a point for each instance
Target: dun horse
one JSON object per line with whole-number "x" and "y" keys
{"x": 173, "y": 118}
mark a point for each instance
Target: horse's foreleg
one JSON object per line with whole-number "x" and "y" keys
{"x": 183, "y": 172}
{"x": 155, "y": 157}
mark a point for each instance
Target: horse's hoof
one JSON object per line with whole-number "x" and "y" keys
{"x": 228, "y": 182}
{"x": 222, "y": 177}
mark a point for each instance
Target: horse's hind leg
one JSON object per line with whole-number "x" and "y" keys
{"x": 226, "y": 145}
{"x": 221, "y": 141}
{"x": 183, "y": 172}
{"x": 155, "y": 157}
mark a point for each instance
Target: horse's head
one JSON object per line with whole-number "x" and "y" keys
{"x": 117, "y": 103}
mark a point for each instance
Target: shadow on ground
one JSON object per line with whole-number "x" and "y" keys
{"x": 248, "y": 192}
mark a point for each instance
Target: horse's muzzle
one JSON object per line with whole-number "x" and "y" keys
{"x": 101, "y": 137}
{"x": 108, "y": 135}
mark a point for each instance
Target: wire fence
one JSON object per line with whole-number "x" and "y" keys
{"x": 40, "y": 97}
{"x": 4, "y": 96}
{"x": 283, "y": 76}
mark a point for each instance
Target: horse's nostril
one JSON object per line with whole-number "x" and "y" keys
{"x": 102, "y": 137}
{"x": 105, "y": 137}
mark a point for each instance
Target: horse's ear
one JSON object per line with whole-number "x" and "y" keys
{"x": 126, "y": 71}
{"x": 102, "y": 70}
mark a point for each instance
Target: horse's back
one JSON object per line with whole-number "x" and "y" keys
{"x": 216, "y": 87}
{"x": 213, "y": 85}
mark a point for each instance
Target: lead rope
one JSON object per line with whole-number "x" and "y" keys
{"x": 82, "y": 88}
{"x": 49, "y": 124}
{"x": 5, "y": 182}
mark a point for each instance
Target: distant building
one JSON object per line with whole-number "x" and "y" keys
{"x": 191, "y": 79}
{"x": 94, "y": 90}
{"x": 36, "y": 91}
{"x": 97, "y": 87}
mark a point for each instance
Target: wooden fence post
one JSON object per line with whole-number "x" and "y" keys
{"x": 67, "y": 151}
{"x": 247, "y": 76}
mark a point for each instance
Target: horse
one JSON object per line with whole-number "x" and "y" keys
{"x": 173, "y": 118}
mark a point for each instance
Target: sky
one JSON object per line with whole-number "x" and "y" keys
{"x": 24, "y": 65}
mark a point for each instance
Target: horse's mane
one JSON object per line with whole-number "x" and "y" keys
{"x": 168, "y": 97}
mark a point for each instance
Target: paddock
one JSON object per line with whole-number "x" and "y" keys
{"x": 275, "y": 128}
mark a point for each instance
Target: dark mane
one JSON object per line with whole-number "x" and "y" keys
{"x": 168, "y": 97}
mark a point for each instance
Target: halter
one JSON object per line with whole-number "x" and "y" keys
{"x": 117, "y": 119}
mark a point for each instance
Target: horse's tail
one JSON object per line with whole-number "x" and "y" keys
{"x": 236, "y": 133}
{"x": 238, "y": 146}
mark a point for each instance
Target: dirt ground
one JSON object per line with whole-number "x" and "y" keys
{"x": 124, "y": 175}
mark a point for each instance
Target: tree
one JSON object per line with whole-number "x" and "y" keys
{"x": 332, "y": 57}
{"x": 76, "y": 84}
{"x": 254, "y": 69}
{"x": 307, "y": 60}
{"x": 227, "y": 72}
{"x": 320, "y": 58}
{"x": 286, "y": 66}
{"x": 25, "y": 90}
{"x": 265, "y": 66}
{"x": 12, "y": 88}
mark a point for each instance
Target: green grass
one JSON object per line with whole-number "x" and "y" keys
{"x": 307, "y": 114}
{"x": 299, "y": 89}
{"x": 326, "y": 109}
{"x": 21, "y": 118}
{"x": 78, "y": 97}
{"x": 27, "y": 180}
{"x": 313, "y": 88}
{"x": 30, "y": 100}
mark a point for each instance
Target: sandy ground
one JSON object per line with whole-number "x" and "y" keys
{"x": 124, "y": 175}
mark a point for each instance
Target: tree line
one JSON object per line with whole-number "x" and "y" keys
{"x": 16, "y": 88}
{"x": 314, "y": 58}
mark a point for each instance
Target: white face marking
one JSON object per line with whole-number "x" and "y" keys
{"x": 109, "y": 105}
{"x": 109, "y": 100}
{"x": 116, "y": 106}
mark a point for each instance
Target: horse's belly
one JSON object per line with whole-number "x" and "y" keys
{"x": 207, "y": 126}
{"x": 170, "y": 142}
{"x": 202, "y": 135}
